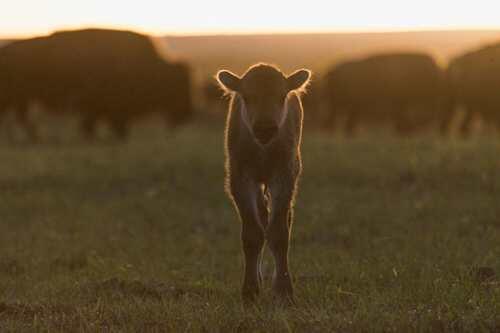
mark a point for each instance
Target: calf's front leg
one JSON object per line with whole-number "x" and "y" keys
{"x": 278, "y": 235}
{"x": 246, "y": 195}
{"x": 262, "y": 205}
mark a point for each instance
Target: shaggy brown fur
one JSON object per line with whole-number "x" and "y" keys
{"x": 263, "y": 164}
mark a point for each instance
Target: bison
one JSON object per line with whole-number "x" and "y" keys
{"x": 109, "y": 75}
{"x": 474, "y": 79}
{"x": 263, "y": 164}
{"x": 403, "y": 90}
{"x": 212, "y": 95}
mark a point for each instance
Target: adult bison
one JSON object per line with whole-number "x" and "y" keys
{"x": 104, "y": 75}
{"x": 404, "y": 90}
{"x": 474, "y": 80}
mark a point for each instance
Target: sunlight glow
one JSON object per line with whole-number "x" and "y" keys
{"x": 27, "y": 17}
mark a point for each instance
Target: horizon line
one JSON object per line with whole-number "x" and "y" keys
{"x": 256, "y": 32}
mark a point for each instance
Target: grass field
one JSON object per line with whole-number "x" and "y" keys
{"x": 390, "y": 235}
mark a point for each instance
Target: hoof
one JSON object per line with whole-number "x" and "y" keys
{"x": 284, "y": 290}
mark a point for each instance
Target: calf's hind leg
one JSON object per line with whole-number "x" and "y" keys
{"x": 246, "y": 195}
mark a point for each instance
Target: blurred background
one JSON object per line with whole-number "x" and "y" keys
{"x": 113, "y": 215}
{"x": 406, "y": 66}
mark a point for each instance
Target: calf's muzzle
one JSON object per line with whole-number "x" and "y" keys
{"x": 265, "y": 132}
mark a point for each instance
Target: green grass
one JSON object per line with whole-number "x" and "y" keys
{"x": 141, "y": 237}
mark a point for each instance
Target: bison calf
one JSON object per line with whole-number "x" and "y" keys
{"x": 263, "y": 163}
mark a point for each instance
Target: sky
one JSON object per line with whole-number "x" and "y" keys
{"x": 184, "y": 17}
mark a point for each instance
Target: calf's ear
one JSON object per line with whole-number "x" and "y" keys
{"x": 228, "y": 81}
{"x": 298, "y": 80}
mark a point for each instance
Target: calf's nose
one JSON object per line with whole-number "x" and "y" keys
{"x": 264, "y": 133}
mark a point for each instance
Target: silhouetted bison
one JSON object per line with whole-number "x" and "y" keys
{"x": 109, "y": 75}
{"x": 474, "y": 81}
{"x": 212, "y": 95}
{"x": 404, "y": 90}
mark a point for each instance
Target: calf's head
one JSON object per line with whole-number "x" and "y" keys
{"x": 263, "y": 90}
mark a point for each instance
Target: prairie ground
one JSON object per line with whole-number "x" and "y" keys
{"x": 390, "y": 235}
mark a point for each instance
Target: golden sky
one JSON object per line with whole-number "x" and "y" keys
{"x": 28, "y": 17}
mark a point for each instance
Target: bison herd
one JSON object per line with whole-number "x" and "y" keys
{"x": 115, "y": 77}
{"x": 411, "y": 92}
